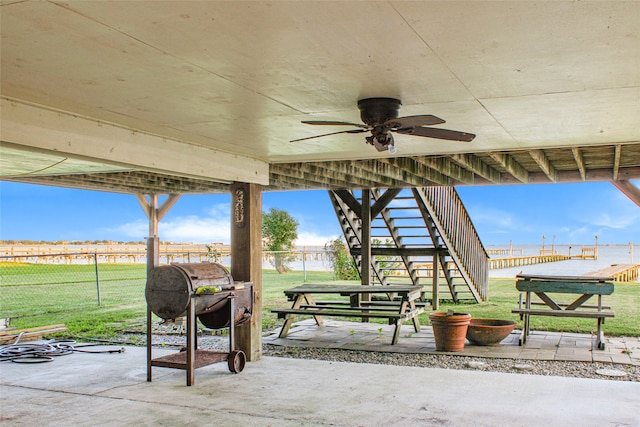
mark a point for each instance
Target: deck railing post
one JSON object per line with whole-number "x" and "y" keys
{"x": 95, "y": 262}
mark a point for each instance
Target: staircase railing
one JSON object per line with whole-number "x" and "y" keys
{"x": 459, "y": 235}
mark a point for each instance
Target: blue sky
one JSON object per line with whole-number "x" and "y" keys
{"x": 574, "y": 213}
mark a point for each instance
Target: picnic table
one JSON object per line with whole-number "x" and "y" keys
{"x": 546, "y": 289}
{"x": 398, "y": 309}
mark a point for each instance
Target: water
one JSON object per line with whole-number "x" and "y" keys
{"x": 607, "y": 255}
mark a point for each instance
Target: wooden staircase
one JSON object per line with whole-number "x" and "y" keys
{"x": 421, "y": 236}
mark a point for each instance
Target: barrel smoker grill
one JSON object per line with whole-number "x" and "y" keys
{"x": 204, "y": 291}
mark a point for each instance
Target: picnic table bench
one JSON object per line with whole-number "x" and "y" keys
{"x": 543, "y": 286}
{"x": 358, "y": 305}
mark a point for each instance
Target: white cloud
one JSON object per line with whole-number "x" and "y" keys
{"x": 614, "y": 215}
{"x": 136, "y": 230}
{"x": 196, "y": 229}
{"x": 617, "y": 220}
{"x": 581, "y": 234}
{"x": 213, "y": 227}
{"x": 220, "y": 210}
{"x": 496, "y": 220}
{"x": 307, "y": 238}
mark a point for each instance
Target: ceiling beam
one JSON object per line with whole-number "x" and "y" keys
{"x": 545, "y": 164}
{"x": 415, "y": 173}
{"x": 354, "y": 176}
{"x": 566, "y": 176}
{"x": 352, "y": 172}
{"x": 306, "y": 173}
{"x": 630, "y": 190}
{"x": 127, "y": 183}
{"x": 577, "y": 155}
{"x": 448, "y": 168}
{"x": 361, "y": 170}
{"x": 477, "y": 166}
{"x": 514, "y": 168}
{"x": 616, "y": 161}
{"x": 69, "y": 135}
{"x": 279, "y": 183}
{"x": 387, "y": 175}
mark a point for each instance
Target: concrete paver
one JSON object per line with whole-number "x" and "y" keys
{"x": 540, "y": 345}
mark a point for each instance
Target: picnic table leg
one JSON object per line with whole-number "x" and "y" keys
{"x": 288, "y": 318}
{"x": 416, "y": 321}
{"x": 310, "y": 301}
{"x": 600, "y": 338}
{"x": 525, "y": 329}
{"x": 396, "y": 332}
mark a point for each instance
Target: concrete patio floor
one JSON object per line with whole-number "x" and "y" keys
{"x": 111, "y": 390}
{"x": 540, "y": 345}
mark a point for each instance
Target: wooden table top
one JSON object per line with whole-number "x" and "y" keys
{"x": 311, "y": 288}
{"x": 538, "y": 277}
{"x": 566, "y": 284}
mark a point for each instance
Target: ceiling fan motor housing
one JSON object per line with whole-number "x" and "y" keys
{"x": 375, "y": 111}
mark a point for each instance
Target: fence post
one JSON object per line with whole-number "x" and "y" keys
{"x": 304, "y": 265}
{"x": 95, "y": 261}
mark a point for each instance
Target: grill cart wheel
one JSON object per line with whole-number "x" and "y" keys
{"x": 236, "y": 361}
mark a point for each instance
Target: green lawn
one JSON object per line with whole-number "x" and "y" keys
{"x": 503, "y": 296}
{"x": 44, "y": 299}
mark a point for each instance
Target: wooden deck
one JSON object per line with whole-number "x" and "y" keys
{"x": 619, "y": 272}
{"x": 499, "y": 263}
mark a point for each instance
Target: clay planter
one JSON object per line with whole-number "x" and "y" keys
{"x": 489, "y": 331}
{"x": 450, "y": 330}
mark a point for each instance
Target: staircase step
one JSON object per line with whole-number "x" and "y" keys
{"x": 401, "y": 208}
{"x": 399, "y": 225}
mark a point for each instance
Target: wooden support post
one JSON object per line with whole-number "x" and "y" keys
{"x": 246, "y": 260}
{"x": 365, "y": 256}
{"x": 435, "y": 298}
{"x": 192, "y": 333}
{"x": 153, "y": 261}
{"x": 365, "y": 238}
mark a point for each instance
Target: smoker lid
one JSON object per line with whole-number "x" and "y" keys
{"x": 169, "y": 287}
{"x": 205, "y": 270}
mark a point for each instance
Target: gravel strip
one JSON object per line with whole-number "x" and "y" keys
{"x": 608, "y": 371}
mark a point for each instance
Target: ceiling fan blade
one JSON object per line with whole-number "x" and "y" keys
{"x": 332, "y": 133}
{"x": 452, "y": 135}
{"x": 333, "y": 123}
{"x": 413, "y": 121}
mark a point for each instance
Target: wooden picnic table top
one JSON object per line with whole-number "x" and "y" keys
{"x": 538, "y": 277}
{"x": 311, "y": 288}
{"x": 565, "y": 284}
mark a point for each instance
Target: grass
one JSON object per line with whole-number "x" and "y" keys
{"x": 44, "y": 299}
{"x": 503, "y": 296}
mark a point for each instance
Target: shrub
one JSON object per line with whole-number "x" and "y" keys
{"x": 342, "y": 264}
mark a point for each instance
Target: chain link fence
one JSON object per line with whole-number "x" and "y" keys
{"x": 33, "y": 285}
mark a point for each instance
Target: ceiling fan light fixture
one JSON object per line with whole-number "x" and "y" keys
{"x": 380, "y": 116}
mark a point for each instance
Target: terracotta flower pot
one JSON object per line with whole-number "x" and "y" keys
{"x": 450, "y": 330}
{"x": 489, "y": 331}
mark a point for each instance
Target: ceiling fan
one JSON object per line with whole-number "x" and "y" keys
{"x": 380, "y": 117}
